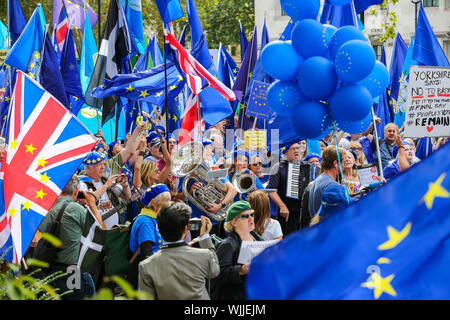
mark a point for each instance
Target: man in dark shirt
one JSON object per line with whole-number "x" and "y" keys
{"x": 288, "y": 213}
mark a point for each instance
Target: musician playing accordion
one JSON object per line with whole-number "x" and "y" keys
{"x": 288, "y": 204}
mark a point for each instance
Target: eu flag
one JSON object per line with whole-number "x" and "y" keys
{"x": 393, "y": 243}
{"x": 29, "y": 44}
{"x": 397, "y": 62}
{"x": 427, "y": 50}
{"x": 16, "y": 19}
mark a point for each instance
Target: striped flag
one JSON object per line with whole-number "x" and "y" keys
{"x": 191, "y": 127}
{"x": 197, "y": 76}
{"x": 61, "y": 29}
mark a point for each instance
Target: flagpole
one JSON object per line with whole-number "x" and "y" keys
{"x": 377, "y": 144}
{"x": 166, "y": 94}
{"x": 42, "y": 51}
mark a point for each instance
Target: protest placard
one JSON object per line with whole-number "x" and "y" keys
{"x": 250, "y": 249}
{"x": 255, "y": 139}
{"x": 368, "y": 174}
{"x": 428, "y": 103}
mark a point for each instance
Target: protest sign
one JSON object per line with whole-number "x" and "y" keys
{"x": 255, "y": 139}
{"x": 428, "y": 104}
{"x": 250, "y": 249}
{"x": 368, "y": 174}
{"x": 3, "y": 53}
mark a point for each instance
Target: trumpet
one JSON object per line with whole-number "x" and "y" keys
{"x": 244, "y": 181}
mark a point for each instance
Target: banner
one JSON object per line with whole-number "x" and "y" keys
{"x": 428, "y": 104}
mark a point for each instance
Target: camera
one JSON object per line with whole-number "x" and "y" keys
{"x": 80, "y": 196}
{"x": 194, "y": 224}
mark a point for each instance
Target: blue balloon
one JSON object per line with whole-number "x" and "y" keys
{"x": 310, "y": 119}
{"x": 309, "y": 38}
{"x": 317, "y": 78}
{"x": 283, "y": 97}
{"x": 329, "y": 31}
{"x": 341, "y": 36}
{"x": 280, "y": 60}
{"x": 355, "y": 127}
{"x": 377, "y": 81}
{"x": 339, "y": 2}
{"x": 354, "y": 61}
{"x": 350, "y": 102}
{"x": 301, "y": 9}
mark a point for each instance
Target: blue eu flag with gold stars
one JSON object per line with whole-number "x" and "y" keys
{"x": 391, "y": 244}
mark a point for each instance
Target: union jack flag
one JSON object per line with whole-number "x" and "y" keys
{"x": 61, "y": 29}
{"x": 45, "y": 145}
{"x": 197, "y": 75}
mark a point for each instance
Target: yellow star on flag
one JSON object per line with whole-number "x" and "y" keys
{"x": 44, "y": 177}
{"x": 42, "y": 162}
{"x": 435, "y": 190}
{"x": 143, "y": 94}
{"x": 26, "y": 205}
{"x": 7, "y": 98}
{"x": 12, "y": 211}
{"x": 13, "y": 144}
{"x": 129, "y": 88}
{"x": 30, "y": 148}
{"x": 180, "y": 78}
{"x": 174, "y": 117}
{"x": 40, "y": 194}
{"x": 158, "y": 94}
{"x": 395, "y": 237}
{"x": 380, "y": 285}
{"x": 173, "y": 87}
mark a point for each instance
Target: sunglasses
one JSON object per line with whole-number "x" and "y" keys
{"x": 355, "y": 149}
{"x": 248, "y": 215}
{"x": 257, "y": 164}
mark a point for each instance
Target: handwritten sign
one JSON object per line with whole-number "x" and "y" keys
{"x": 257, "y": 102}
{"x": 255, "y": 139}
{"x": 368, "y": 174}
{"x": 250, "y": 249}
{"x": 428, "y": 103}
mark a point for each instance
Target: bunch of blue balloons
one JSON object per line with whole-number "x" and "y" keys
{"x": 324, "y": 74}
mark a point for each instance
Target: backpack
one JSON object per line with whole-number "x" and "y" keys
{"x": 44, "y": 250}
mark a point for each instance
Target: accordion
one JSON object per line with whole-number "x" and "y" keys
{"x": 299, "y": 175}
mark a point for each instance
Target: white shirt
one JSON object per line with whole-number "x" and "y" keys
{"x": 272, "y": 230}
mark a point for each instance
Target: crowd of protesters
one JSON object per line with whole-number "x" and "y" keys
{"x": 180, "y": 251}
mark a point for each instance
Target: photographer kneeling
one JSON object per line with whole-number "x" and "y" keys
{"x": 178, "y": 271}
{"x": 72, "y": 217}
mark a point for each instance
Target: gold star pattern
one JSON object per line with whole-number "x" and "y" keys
{"x": 40, "y": 194}
{"x": 380, "y": 285}
{"x": 180, "y": 78}
{"x": 395, "y": 237}
{"x": 13, "y": 144}
{"x": 158, "y": 94}
{"x": 7, "y": 98}
{"x": 435, "y": 190}
{"x": 26, "y": 205}
{"x": 173, "y": 87}
{"x": 12, "y": 211}
{"x": 30, "y": 148}
{"x": 129, "y": 88}
{"x": 41, "y": 163}
{"x": 143, "y": 94}
{"x": 44, "y": 178}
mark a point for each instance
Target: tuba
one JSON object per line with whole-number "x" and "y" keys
{"x": 188, "y": 163}
{"x": 244, "y": 181}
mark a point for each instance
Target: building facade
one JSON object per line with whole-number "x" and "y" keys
{"x": 438, "y": 13}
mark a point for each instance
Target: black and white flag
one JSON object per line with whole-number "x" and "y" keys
{"x": 115, "y": 46}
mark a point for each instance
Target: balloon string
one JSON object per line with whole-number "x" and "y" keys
{"x": 338, "y": 157}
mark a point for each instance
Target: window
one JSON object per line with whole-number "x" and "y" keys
{"x": 378, "y": 49}
{"x": 447, "y": 49}
{"x": 431, "y": 3}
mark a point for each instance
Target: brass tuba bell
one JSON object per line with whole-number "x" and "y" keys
{"x": 188, "y": 162}
{"x": 244, "y": 181}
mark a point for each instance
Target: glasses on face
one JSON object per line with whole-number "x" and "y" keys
{"x": 248, "y": 215}
{"x": 257, "y": 164}
{"x": 356, "y": 149}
